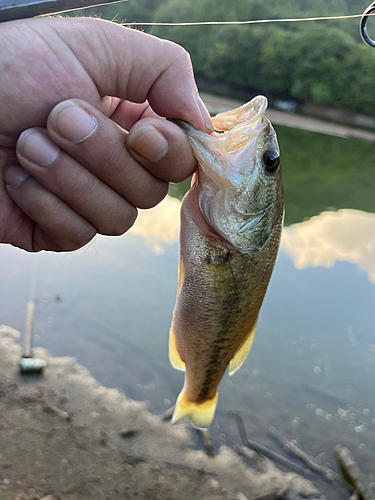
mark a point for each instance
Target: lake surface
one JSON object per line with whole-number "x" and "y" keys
{"x": 311, "y": 370}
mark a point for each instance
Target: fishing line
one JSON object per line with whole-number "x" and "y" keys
{"x": 256, "y": 21}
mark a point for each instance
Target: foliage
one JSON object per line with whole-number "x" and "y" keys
{"x": 339, "y": 76}
{"x": 324, "y": 62}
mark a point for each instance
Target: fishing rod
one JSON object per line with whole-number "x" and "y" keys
{"x": 362, "y": 25}
{"x": 10, "y": 10}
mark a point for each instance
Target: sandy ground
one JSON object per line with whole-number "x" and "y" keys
{"x": 65, "y": 437}
{"x": 217, "y": 104}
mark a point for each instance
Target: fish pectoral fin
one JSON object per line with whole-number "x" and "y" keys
{"x": 174, "y": 357}
{"x": 200, "y": 414}
{"x": 241, "y": 354}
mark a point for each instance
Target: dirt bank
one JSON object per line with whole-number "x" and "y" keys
{"x": 65, "y": 437}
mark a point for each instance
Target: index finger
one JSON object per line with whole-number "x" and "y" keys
{"x": 135, "y": 66}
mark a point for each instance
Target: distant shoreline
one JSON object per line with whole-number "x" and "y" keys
{"x": 216, "y": 104}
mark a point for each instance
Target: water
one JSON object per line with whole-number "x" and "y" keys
{"x": 311, "y": 370}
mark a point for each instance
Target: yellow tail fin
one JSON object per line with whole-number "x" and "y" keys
{"x": 200, "y": 414}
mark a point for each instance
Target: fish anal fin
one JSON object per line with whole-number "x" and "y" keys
{"x": 174, "y": 357}
{"x": 181, "y": 274}
{"x": 200, "y": 414}
{"x": 241, "y": 354}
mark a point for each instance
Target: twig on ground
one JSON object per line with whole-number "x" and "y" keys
{"x": 329, "y": 474}
{"x": 260, "y": 448}
{"x": 274, "y": 495}
{"x": 48, "y": 408}
{"x": 167, "y": 415}
{"x": 350, "y": 471}
{"x": 208, "y": 444}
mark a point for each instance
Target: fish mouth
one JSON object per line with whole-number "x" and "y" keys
{"x": 248, "y": 114}
{"x": 232, "y": 129}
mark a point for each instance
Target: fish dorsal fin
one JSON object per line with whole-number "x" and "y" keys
{"x": 241, "y": 354}
{"x": 174, "y": 357}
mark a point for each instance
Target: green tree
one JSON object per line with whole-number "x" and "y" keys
{"x": 323, "y": 62}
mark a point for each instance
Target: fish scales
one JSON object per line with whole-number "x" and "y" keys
{"x": 231, "y": 222}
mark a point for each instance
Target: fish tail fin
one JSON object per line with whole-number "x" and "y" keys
{"x": 200, "y": 414}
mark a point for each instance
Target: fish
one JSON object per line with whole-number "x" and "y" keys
{"x": 230, "y": 228}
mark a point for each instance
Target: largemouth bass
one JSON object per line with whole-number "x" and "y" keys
{"x": 231, "y": 221}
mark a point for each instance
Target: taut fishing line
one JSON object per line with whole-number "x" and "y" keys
{"x": 257, "y": 21}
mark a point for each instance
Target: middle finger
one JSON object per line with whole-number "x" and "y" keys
{"x": 99, "y": 144}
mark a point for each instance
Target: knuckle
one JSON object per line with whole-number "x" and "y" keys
{"x": 180, "y": 54}
{"x": 179, "y": 59}
{"x": 185, "y": 58}
{"x": 43, "y": 207}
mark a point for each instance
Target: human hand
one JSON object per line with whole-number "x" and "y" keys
{"x": 75, "y": 170}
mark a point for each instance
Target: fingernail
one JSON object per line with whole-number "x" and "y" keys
{"x": 14, "y": 176}
{"x": 37, "y": 147}
{"x": 148, "y": 143}
{"x": 206, "y": 118}
{"x": 72, "y": 122}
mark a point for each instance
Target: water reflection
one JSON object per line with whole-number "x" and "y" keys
{"x": 311, "y": 370}
{"x": 160, "y": 226}
{"x": 346, "y": 235}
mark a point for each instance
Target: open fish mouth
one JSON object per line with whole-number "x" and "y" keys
{"x": 232, "y": 129}
{"x": 248, "y": 113}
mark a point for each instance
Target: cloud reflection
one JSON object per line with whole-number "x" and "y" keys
{"x": 346, "y": 235}
{"x": 159, "y": 226}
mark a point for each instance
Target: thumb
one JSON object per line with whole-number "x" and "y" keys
{"x": 134, "y": 66}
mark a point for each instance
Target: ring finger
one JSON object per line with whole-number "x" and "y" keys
{"x": 71, "y": 182}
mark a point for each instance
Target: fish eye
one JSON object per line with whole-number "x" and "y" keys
{"x": 271, "y": 161}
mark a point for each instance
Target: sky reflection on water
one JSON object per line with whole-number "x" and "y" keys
{"x": 311, "y": 370}
{"x": 346, "y": 235}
